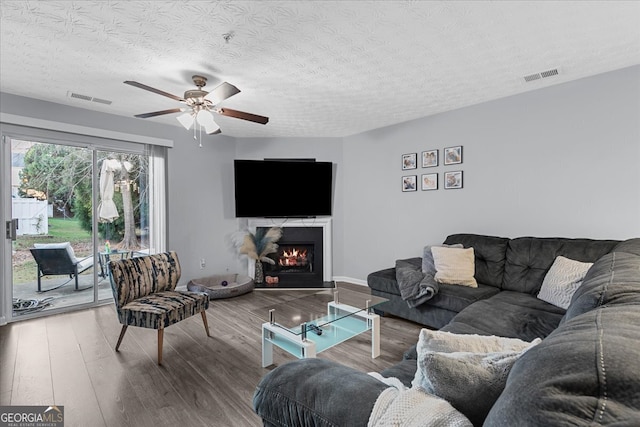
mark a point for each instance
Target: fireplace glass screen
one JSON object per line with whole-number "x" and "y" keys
{"x": 293, "y": 259}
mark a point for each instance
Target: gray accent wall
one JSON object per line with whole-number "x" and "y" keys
{"x": 559, "y": 161}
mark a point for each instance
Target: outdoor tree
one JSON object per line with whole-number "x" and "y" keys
{"x": 130, "y": 191}
{"x": 46, "y": 174}
{"x": 63, "y": 174}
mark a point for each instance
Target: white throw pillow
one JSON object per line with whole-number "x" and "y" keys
{"x": 428, "y": 265}
{"x": 454, "y": 266}
{"x": 562, "y": 280}
{"x": 448, "y": 342}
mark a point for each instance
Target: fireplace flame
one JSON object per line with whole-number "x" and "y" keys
{"x": 293, "y": 257}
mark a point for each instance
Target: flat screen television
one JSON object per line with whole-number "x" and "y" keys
{"x": 286, "y": 188}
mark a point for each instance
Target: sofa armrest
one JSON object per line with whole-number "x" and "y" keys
{"x": 316, "y": 392}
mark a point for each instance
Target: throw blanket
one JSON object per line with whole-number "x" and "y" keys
{"x": 400, "y": 406}
{"x": 415, "y": 286}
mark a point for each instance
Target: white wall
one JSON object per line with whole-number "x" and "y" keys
{"x": 560, "y": 161}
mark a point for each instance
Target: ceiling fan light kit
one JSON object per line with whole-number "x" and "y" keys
{"x": 205, "y": 119}
{"x": 201, "y": 105}
{"x": 186, "y": 120}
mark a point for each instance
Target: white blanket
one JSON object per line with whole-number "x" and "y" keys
{"x": 399, "y": 406}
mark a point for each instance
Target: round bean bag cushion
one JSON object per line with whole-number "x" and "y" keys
{"x": 221, "y": 286}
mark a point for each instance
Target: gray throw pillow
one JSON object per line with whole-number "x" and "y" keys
{"x": 469, "y": 371}
{"x": 470, "y": 382}
{"x": 428, "y": 264}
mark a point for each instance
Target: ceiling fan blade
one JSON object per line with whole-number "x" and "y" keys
{"x": 221, "y": 92}
{"x": 154, "y": 90}
{"x": 242, "y": 115}
{"x": 159, "y": 113}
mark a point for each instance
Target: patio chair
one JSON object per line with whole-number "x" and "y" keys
{"x": 55, "y": 259}
{"x": 144, "y": 290}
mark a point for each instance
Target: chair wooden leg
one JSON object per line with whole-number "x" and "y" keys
{"x": 160, "y": 336}
{"x": 124, "y": 329}
{"x": 204, "y": 320}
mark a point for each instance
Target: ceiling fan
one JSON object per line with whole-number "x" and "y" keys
{"x": 200, "y": 105}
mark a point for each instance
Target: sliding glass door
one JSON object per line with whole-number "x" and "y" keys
{"x": 72, "y": 210}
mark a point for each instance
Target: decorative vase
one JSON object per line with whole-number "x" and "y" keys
{"x": 259, "y": 274}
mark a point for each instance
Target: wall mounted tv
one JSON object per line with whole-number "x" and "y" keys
{"x": 282, "y": 188}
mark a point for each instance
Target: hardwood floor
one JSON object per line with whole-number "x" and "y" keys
{"x": 69, "y": 360}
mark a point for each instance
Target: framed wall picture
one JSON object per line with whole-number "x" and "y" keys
{"x": 453, "y": 180}
{"x": 429, "y": 158}
{"x": 409, "y": 161}
{"x": 429, "y": 181}
{"x": 409, "y": 183}
{"x": 453, "y": 155}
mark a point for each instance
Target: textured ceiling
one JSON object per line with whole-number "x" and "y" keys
{"x": 316, "y": 68}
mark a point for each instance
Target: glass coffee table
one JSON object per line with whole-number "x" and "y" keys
{"x": 298, "y": 327}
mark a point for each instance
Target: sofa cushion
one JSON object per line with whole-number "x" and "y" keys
{"x": 613, "y": 279}
{"x": 562, "y": 280}
{"x": 457, "y": 298}
{"x": 385, "y": 280}
{"x": 489, "y": 252}
{"x": 311, "y": 392}
{"x": 585, "y": 373}
{"x": 454, "y": 266}
{"x": 508, "y": 314}
{"x": 529, "y": 258}
{"x": 631, "y": 246}
{"x": 405, "y": 371}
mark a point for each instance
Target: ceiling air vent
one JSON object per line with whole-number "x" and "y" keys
{"x": 541, "y": 75}
{"x": 78, "y": 96}
{"x": 88, "y": 98}
{"x": 102, "y": 101}
{"x": 549, "y": 73}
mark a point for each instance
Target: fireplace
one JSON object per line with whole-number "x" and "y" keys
{"x": 294, "y": 259}
{"x": 303, "y": 259}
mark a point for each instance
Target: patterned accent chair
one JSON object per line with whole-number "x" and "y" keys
{"x": 145, "y": 295}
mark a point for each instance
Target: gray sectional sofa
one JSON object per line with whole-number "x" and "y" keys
{"x": 585, "y": 371}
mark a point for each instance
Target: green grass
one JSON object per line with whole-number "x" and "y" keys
{"x": 68, "y": 230}
{"x": 60, "y": 230}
